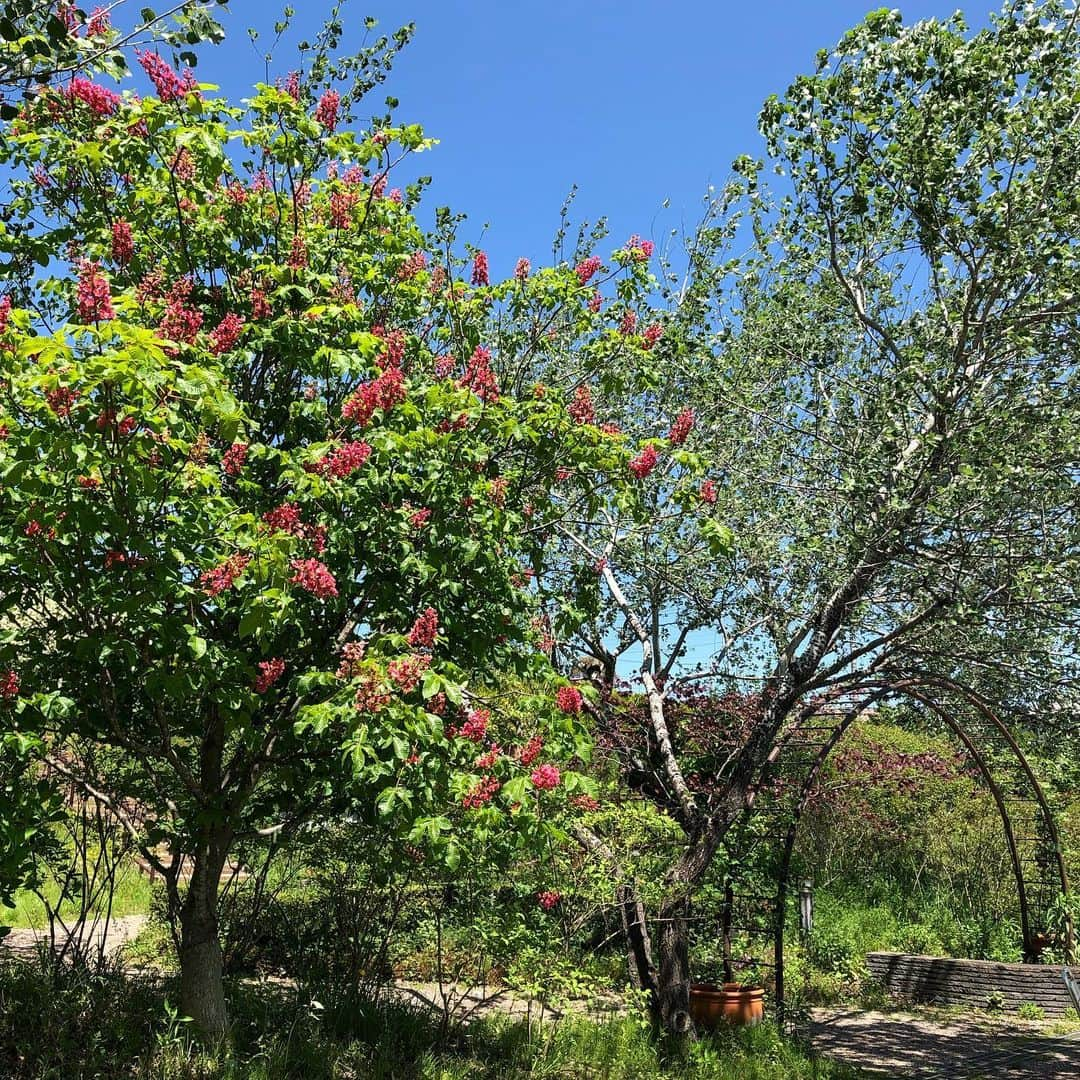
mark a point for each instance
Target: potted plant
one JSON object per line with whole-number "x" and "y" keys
{"x": 742, "y": 1005}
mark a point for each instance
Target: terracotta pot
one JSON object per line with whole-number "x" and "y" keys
{"x": 732, "y": 1003}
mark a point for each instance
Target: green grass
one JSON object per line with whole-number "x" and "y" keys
{"x": 132, "y": 897}
{"x": 79, "y": 1027}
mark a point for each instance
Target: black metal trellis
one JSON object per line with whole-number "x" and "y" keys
{"x": 786, "y": 782}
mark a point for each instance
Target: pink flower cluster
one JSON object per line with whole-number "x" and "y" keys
{"x": 476, "y": 725}
{"x": 653, "y": 333}
{"x": 61, "y": 399}
{"x": 99, "y": 22}
{"x": 371, "y": 693}
{"x": 345, "y": 460}
{"x": 480, "y": 269}
{"x": 479, "y": 377}
{"x": 585, "y": 803}
{"x": 419, "y": 518}
{"x": 298, "y": 255}
{"x": 342, "y": 204}
{"x": 225, "y": 335}
{"x": 405, "y": 672}
{"x": 234, "y": 459}
{"x": 488, "y": 759}
{"x": 545, "y": 778}
{"x": 708, "y": 492}
{"x": 269, "y": 673}
{"x": 326, "y": 112}
{"x": 9, "y": 685}
{"x": 482, "y": 793}
{"x": 284, "y": 518}
{"x": 424, "y": 629}
{"x": 644, "y": 463}
{"x": 522, "y": 269}
{"x": 223, "y": 577}
{"x": 123, "y": 243}
{"x": 383, "y": 393}
{"x": 684, "y": 424}
{"x": 628, "y": 324}
{"x": 168, "y": 84}
{"x": 569, "y": 700}
{"x": 183, "y": 164}
{"x": 531, "y": 750}
{"x": 99, "y": 99}
{"x": 587, "y": 268}
{"x": 548, "y": 899}
{"x": 180, "y": 322}
{"x": 314, "y": 576}
{"x": 393, "y": 347}
{"x": 412, "y": 266}
{"x": 5, "y": 312}
{"x": 95, "y": 303}
{"x": 260, "y": 306}
{"x": 351, "y": 656}
{"x": 640, "y": 250}
{"x": 581, "y": 408}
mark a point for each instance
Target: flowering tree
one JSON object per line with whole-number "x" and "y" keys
{"x": 43, "y": 42}
{"x": 878, "y": 402}
{"x": 269, "y": 518}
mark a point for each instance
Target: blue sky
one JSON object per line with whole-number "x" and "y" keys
{"x": 635, "y": 101}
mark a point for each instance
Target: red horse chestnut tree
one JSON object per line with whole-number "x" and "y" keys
{"x": 267, "y": 514}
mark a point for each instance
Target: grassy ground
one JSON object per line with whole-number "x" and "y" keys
{"x": 110, "y": 1026}
{"x": 132, "y": 897}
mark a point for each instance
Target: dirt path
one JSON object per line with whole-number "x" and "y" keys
{"x": 899, "y": 1045}
{"x": 25, "y": 942}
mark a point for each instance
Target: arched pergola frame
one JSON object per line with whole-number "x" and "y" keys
{"x": 929, "y": 690}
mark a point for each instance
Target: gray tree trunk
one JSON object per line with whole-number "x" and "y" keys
{"x": 202, "y": 986}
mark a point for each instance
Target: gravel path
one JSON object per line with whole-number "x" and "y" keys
{"x": 898, "y": 1045}
{"x": 25, "y": 942}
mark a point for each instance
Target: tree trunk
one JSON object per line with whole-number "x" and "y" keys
{"x": 638, "y": 944}
{"x": 673, "y": 985}
{"x": 202, "y": 988}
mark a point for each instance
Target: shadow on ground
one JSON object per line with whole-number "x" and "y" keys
{"x": 905, "y": 1046}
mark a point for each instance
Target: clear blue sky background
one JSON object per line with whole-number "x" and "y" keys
{"x": 635, "y": 101}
